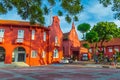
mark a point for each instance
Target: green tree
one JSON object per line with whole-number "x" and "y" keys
{"x": 117, "y": 33}
{"x": 83, "y": 28}
{"x": 34, "y": 10}
{"x": 72, "y": 7}
{"x": 115, "y": 6}
{"x": 92, "y": 38}
{"x": 86, "y": 45}
{"x": 106, "y": 31}
{"x": 27, "y": 9}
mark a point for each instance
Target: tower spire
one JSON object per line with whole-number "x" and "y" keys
{"x": 73, "y": 26}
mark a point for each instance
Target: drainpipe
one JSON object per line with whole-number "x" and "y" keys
{"x": 30, "y": 46}
{"x": 48, "y": 45}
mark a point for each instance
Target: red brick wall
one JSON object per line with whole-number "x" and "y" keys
{"x": 55, "y": 30}
{"x": 72, "y": 42}
{"x": 66, "y": 45}
{"x": 10, "y": 44}
{"x": 107, "y": 52}
{"x": 73, "y": 37}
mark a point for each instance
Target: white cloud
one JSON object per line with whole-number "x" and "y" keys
{"x": 117, "y": 22}
{"x": 99, "y": 10}
{"x": 83, "y": 16}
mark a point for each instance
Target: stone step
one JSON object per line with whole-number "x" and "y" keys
{"x": 19, "y": 64}
{"x": 13, "y": 64}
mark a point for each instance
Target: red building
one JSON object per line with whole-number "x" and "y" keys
{"x": 110, "y": 47}
{"x": 22, "y": 42}
{"x": 37, "y": 45}
{"x": 72, "y": 46}
{"x": 55, "y": 42}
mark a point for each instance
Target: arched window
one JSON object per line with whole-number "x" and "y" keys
{"x": 19, "y": 54}
{"x": 2, "y": 54}
{"x": 43, "y": 54}
{"x": 55, "y": 55}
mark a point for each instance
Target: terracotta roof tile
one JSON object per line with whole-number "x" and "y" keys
{"x": 19, "y": 23}
{"x": 113, "y": 42}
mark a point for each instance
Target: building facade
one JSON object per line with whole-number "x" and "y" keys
{"x": 55, "y": 41}
{"x": 72, "y": 46}
{"x": 37, "y": 45}
{"x": 110, "y": 47}
{"x": 21, "y": 42}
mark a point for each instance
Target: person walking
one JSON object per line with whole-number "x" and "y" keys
{"x": 115, "y": 57}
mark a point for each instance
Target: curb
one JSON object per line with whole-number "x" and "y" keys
{"x": 105, "y": 66}
{"x": 118, "y": 67}
{"x": 90, "y": 66}
{"x": 112, "y": 67}
{"x": 96, "y": 66}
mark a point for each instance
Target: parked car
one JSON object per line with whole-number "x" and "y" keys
{"x": 70, "y": 60}
{"x": 85, "y": 57}
{"x": 66, "y": 60}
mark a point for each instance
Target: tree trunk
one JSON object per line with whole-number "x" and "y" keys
{"x": 102, "y": 46}
{"x": 95, "y": 48}
{"x": 83, "y": 36}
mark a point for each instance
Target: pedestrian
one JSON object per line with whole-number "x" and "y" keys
{"x": 105, "y": 60}
{"x": 115, "y": 59}
{"x": 96, "y": 59}
{"x": 89, "y": 56}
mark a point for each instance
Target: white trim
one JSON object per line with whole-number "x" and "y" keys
{"x": 20, "y": 34}
{"x": 19, "y": 40}
{"x": 43, "y": 54}
{"x": 110, "y": 49}
{"x": 116, "y": 49}
{"x": 56, "y": 40}
{"x": 33, "y": 35}
{"x": 44, "y": 36}
{"x": 33, "y": 53}
{"x": 90, "y": 50}
{"x": 2, "y": 31}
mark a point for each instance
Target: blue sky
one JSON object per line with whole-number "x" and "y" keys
{"x": 93, "y": 12}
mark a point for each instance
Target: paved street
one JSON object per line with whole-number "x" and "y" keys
{"x": 59, "y": 72}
